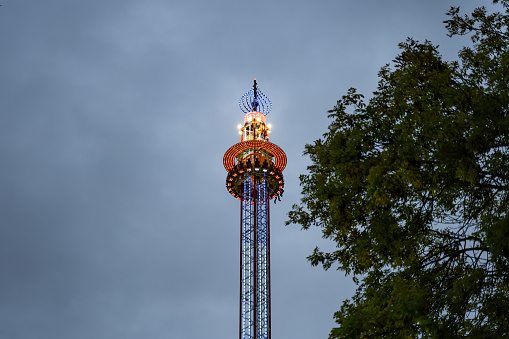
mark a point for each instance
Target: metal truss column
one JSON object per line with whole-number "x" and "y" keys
{"x": 255, "y": 266}
{"x": 263, "y": 267}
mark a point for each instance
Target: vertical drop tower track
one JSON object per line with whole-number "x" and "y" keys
{"x": 255, "y": 177}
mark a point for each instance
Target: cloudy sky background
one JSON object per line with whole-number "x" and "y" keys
{"x": 114, "y": 118}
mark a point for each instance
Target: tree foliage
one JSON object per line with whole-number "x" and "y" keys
{"x": 413, "y": 188}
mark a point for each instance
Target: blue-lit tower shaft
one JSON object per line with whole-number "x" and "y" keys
{"x": 255, "y": 177}
{"x": 255, "y": 261}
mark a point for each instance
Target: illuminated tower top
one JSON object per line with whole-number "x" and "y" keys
{"x": 254, "y": 154}
{"x": 256, "y": 106}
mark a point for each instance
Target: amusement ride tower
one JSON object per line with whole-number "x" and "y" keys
{"x": 255, "y": 167}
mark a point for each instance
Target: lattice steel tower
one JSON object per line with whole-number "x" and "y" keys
{"x": 255, "y": 177}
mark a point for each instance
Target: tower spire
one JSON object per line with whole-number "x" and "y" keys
{"x": 255, "y": 101}
{"x": 255, "y": 95}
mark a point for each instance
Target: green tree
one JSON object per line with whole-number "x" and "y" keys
{"x": 412, "y": 186}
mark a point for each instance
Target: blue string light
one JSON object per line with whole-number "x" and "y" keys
{"x": 261, "y": 103}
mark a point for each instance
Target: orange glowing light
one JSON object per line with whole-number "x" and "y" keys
{"x": 276, "y": 151}
{"x": 253, "y": 115}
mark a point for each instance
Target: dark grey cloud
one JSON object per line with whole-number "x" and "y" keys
{"x": 114, "y": 117}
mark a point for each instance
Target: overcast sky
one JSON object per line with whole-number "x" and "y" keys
{"x": 114, "y": 117}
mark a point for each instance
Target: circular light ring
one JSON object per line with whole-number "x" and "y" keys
{"x": 278, "y": 154}
{"x": 235, "y": 183}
